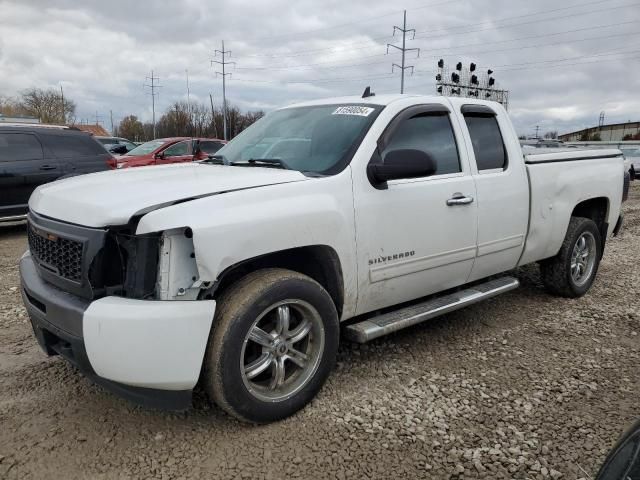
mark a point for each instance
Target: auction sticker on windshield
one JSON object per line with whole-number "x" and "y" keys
{"x": 353, "y": 110}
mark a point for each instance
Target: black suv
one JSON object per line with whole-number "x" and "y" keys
{"x": 31, "y": 155}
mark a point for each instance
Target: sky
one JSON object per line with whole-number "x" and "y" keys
{"x": 563, "y": 62}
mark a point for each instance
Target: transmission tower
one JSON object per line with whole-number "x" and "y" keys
{"x": 153, "y": 85}
{"x": 404, "y": 49}
{"x": 223, "y": 53}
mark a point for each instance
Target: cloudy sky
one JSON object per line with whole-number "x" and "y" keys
{"x": 563, "y": 62}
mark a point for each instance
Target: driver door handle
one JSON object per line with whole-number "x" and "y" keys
{"x": 48, "y": 167}
{"x": 459, "y": 199}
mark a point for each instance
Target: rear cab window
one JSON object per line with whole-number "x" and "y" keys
{"x": 486, "y": 138}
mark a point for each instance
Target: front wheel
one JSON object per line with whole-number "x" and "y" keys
{"x": 572, "y": 271}
{"x": 273, "y": 344}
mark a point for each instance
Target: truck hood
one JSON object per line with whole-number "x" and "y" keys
{"x": 113, "y": 197}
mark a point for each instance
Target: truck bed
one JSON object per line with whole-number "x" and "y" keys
{"x": 560, "y": 179}
{"x": 549, "y": 155}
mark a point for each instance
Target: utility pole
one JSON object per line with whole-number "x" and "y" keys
{"x": 404, "y": 49}
{"x": 153, "y": 94}
{"x": 111, "y": 117}
{"x": 98, "y": 118}
{"x": 537, "y": 130}
{"x": 64, "y": 117}
{"x": 223, "y": 53}
{"x": 186, "y": 71}
{"x": 213, "y": 117}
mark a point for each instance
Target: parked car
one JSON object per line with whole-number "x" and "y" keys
{"x": 170, "y": 150}
{"x": 632, "y": 155}
{"x": 238, "y": 271}
{"x": 116, "y": 145}
{"x": 32, "y": 155}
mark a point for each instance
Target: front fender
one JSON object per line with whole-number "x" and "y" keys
{"x": 232, "y": 227}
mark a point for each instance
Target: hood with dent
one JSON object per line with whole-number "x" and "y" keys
{"x": 113, "y": 197}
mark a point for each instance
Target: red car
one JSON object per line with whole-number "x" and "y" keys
{"x": 170, "y": 150}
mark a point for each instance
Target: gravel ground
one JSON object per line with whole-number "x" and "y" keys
{"x": 523, "y": 386}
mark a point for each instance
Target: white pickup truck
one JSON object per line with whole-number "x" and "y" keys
{"x": 376, "y": 213}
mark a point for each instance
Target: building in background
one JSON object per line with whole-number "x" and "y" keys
{"x": 18, "y": 119}
{"x": 614, "y": 132}
{"x": 97, "y": 130}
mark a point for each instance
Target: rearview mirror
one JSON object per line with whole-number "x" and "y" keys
{"x": 399, "y": 164}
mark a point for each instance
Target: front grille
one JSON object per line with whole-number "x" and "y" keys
{"x": 60, "y": 255}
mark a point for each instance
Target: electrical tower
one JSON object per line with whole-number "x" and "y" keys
{"x": 404, "y": 50}
{"x": 465, "y": 82}
{"x": 537, "y": 131}
{"x": 223, "y": 53}
{"x": 153, "y": 86}
{"x": 601, "y": 120}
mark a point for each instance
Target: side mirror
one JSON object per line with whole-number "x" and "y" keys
{"x": 399, "y": 164}
{"x": 159, "y": 155}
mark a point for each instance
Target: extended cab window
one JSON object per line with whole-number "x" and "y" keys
{"x": 210, "y": 147}
{"x": 19, "y": 146}
{"x": 486, "y": 138}
{"x": 431, "y": 133}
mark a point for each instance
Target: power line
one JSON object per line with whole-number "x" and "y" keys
{"x": 499, "y": 27}
{"x": 449, "y": 29}
{"x": 321, "y": 64}
{"x": 153, "y": 94}
{"x": 224, "y": 74}
{"x": 362, "y": 20}
{"x": 404, "y": 49}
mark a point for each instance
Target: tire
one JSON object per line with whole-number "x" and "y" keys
{"x": 278, "y": 369}
{"x": 557, "y": 273}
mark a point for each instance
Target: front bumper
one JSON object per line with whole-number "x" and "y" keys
{"x": 147, "y": 351}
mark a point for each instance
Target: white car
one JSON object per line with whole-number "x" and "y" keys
{"x": 239, "y": 272}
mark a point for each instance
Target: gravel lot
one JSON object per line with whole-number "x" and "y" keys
{"x": 523, "y": 386}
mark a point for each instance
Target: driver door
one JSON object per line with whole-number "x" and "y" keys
{"x": 413, "y": 238}
{"x": 176, "y": 153}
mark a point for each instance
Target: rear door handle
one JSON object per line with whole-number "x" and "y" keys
{"x": 48, "y": 167}
{"x": 459, "y": 199}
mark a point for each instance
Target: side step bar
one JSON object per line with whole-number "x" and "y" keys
{"x": 380, "y": 325}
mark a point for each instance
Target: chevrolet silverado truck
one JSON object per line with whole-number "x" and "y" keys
{"x": 355, "y": 215}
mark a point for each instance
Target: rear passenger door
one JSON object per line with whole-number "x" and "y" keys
{"x": 502, "y": 189}
{"x": 22, "y": 169}
{"x": 77, "y": 152}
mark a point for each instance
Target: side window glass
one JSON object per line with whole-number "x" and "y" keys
{"x": 210, "y": 147}
{"x": 19, "y": 146}
{"x": 486, "y": 138}
{"x": 181, "y": 148}
{"x": 73, "y": 145}
{"x": 432, "y": 134}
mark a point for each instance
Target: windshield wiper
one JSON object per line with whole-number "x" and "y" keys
{"x": 217, "y": 159}
{"x": 261, "y": 162}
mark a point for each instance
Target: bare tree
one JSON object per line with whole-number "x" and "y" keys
{"x": 47, "y": 105}
{"x": 553, "y": 134}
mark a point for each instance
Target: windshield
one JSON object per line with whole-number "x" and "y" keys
{"x": 314, "y": 139}
{"x": 146, "y": 148}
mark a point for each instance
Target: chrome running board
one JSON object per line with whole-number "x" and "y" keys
{"x": 380, "y": 325}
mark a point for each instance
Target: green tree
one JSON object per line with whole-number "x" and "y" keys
{"x": 130, "y": 127}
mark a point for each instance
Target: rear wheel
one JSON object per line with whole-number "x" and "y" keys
{"x": 572, "y": 271}
{"x": 273, "y": 344}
